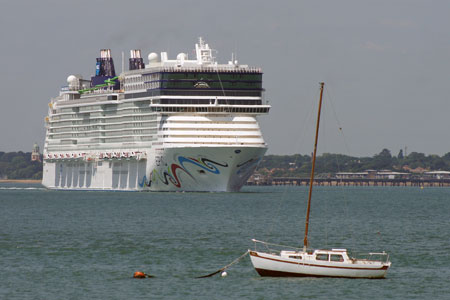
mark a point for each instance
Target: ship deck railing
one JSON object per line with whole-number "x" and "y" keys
{"x": 212, "y": 68}
{"x": 273, "y": 248}
{"x": 370, "y": 256}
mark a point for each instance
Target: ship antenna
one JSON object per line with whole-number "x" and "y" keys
{"x": 123, "y": 62}
{"x": 235, "y": 51}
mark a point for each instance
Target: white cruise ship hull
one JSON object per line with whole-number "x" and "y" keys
{"x": 216, "y": 169}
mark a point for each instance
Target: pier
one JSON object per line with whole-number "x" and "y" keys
{"x": 303, "y": 181}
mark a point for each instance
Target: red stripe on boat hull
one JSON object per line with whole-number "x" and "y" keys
{"x": 271, "y": 273}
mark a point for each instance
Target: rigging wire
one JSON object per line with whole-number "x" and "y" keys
{"x": 307, "y": 124}
{"x": 350, "y": 225}
{"x": 221, "y": 86}
{"x": 324, "y": 134}
{"x": 302, "y": 135}
{"x": 309, "y": 121}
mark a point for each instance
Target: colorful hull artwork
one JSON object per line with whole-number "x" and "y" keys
{"x": 218, "y": 169}
{"x": 170, "y": 176}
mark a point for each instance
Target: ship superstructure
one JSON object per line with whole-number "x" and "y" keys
{"x": 168, "y": 125}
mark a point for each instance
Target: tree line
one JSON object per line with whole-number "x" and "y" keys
{"x": 18, "y": 165}
{"x": 299, "y": 165}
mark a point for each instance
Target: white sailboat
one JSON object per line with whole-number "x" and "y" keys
{"x": 298, "y": 262}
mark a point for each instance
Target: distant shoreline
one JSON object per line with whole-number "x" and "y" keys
{"x": 20, "y": 181}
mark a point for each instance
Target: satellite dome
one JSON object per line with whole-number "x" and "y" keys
{"x": 72, "y": 79}
{"x": 181, "y": 56}
{"x": 153, "y": 57}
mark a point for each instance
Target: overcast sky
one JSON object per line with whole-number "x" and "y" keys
{"x": 385, "y": 63}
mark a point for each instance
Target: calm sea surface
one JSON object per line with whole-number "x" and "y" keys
{"x": 87, "y": 245}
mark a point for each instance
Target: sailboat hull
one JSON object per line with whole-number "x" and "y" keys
{"x": 274, "y": 265}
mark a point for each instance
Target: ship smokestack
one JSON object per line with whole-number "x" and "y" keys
{"x": 136, "y": 61}
{"x": 104, "y": 71}
{"x": 105, "y": 64}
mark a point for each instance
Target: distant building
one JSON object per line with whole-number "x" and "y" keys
{"x": 438, "y": 174}
{"x": 257, "y": 179}
{"x": 351, "y": 175}
{"x": 384, "y": 174}
{"x": 373, "y": 174}
{"x": 35, "y": 154}
{"x": 417, "y": 170}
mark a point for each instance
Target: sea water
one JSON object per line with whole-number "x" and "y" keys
{"x": 87, "y": 245}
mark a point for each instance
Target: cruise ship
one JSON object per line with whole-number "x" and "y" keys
{"x": 166, "y": 125}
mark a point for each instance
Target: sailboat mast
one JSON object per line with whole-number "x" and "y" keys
{"x": 305, "y": 240}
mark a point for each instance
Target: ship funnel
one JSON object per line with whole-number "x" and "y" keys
{"x": 104, "y": 71}
{"x": 105, "y": 64}
{"x": 136, "y": 61}
{"x": 105, "y": 53}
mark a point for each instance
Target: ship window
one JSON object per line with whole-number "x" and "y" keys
{"x": 322, "y": 257}
{"x": 336, "y": 257}
{"x": 295, "y": 256}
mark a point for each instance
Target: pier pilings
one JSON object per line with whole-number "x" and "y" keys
{"x": 356, "y": 182}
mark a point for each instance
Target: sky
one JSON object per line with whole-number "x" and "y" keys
{"x": 385, "y": 63}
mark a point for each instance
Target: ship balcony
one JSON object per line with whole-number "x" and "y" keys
{"x": 231, "y": 126}
{"x": 213, "y": 133}
{"x": 215, "y": 109}
{"x": 220, "y": 140}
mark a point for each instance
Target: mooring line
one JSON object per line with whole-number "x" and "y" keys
{"x": 226, "y": 267}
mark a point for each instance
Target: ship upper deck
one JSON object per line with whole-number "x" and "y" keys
{"x": 202, "y": 77}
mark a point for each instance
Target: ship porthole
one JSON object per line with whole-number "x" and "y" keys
{"x": 237, "y": 151}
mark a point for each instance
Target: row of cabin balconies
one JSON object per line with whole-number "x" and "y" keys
{"x": 101, "y": 115}
{"x": 103, "y": 127}
{"x": 211, "y": 140}
{"x": 89, "y": 146}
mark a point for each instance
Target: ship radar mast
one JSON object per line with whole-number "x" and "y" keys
{"x": 203, "y": 52}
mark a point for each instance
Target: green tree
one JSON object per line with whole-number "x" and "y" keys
{"x": 382, "y": 160}
{"x": 17, "y": 165}
{"x": 19, "y": 162}
{"x": 416, "y": 160}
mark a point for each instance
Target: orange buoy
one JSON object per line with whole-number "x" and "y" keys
{"x": 139, "y": 274}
